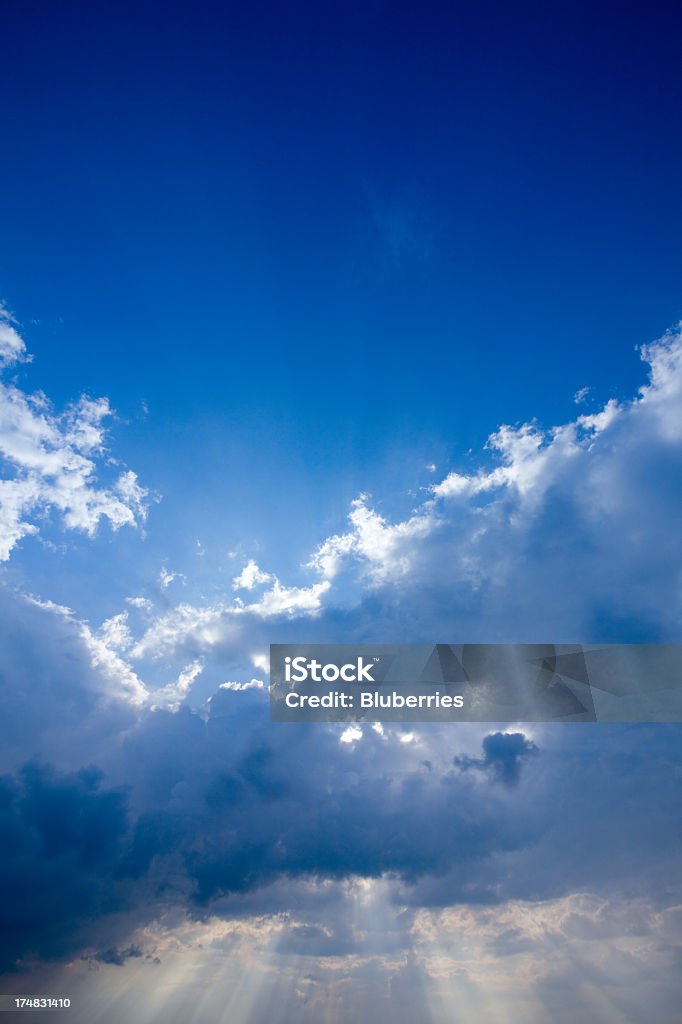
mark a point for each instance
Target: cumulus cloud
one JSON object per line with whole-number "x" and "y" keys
{"x": 225, "y": 624}
{"x": 205, "y": 834}
{"x": 50, "y": 461}
{"x": 63, "y": 697}
{"x": 231, "y": 831}
{"x": 351, "y": 734}
{"x": 569, "y": 532}
{"x": 250, "y": 576}
{"x": 218, "y": 813}
{"x": 172, "y": 695}
{"x": 253, "y": 684}
{"x": 383, "y": 547}
{"x": 103, "y": 647}
{"x": 572, "y": 528}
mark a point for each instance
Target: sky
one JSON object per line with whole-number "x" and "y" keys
{"x": 352, "y": 322}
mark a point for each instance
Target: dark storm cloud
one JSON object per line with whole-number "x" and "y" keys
{"x": 227, "y": 813}
{"x": 61, "y": 839}
{"x": 118, "y": 956}
{"x": 504, "y": 755}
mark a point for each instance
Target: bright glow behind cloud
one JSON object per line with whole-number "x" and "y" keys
{"x": 570, "y": 531}
{"x": 408, "y": 869}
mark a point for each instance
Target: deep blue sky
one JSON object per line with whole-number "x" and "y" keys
{"x": 307, "y": 250}
{"x": 328, "y": 243}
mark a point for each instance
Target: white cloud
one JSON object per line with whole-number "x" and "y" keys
{"x": 351, "y": 734}
{"x": 250, "y": 576}
{"x": 261, "y": 661}
{"x": 12, "y": 347}
{"x": 172, "y": 695}
{"x": 330, "y": 556}
{"x": 113, "y": 667}
{"x": 115, "y": 632}
{"x": 16, "y": 496}
{"x": 595, "y": 423}
{"x": 185, "y": 624}
{"x": 253, "y": 684}
{"x": 384, "y": 548}
{"x": 166, "y": 577}
{"x": 222, "y": 624}
{"x": 524, "y": 452}
{"x": 288, "y": 601}
{"x": 558, "y": 523}
{"x": 561, "y": 531}
{"x": 50, "y": 462}
{"x": 555, "y": 526}
{"x": 102, "y": 646}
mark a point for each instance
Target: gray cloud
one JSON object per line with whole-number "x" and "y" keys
{"x": 504, "y": 755}
{"x": 62, "y": 837}
{"x": 224, "y": 813}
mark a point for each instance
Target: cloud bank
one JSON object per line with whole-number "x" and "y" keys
{"x": 569, "y": 533}
{"x": 170, "y": 826}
